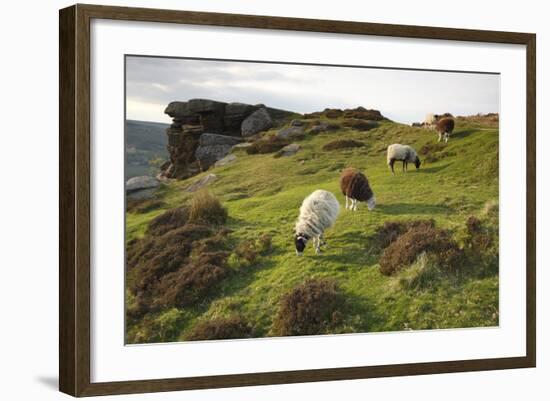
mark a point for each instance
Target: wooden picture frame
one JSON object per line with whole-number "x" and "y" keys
{"x": 74, "y": 204}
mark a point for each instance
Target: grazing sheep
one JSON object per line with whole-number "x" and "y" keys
{"x": 317, "y": 213}
{"x": 430, "y": 120}
{"x": 355, "y": 186}
{"x": 404, "y": 153}
{"x": 445, "y": 128}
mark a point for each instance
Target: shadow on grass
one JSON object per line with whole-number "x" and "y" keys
{"x": 461, "y": 134}
{"x": 434, "y": 169}
{"x": 413, "y": 208}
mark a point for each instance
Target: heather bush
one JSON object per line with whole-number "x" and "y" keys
{"x": 221, "y": 329}
{"x": 312, "y": 307}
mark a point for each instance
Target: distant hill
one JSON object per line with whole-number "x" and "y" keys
{"x": 145, "y": 141}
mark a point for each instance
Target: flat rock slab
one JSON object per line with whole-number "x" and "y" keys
{"x": 226, "y": 160}
{"x": 289, "y": 150}
{"x": 201, "y": 183}
{"x": 140, "y": 183}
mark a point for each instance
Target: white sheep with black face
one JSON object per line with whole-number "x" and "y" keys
{"x": 404, "y": 153}
{"x": 317, "y": 213}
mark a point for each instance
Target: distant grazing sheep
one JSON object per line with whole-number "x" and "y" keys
{"x": 404, "y": 153}
{"x": 355, "y": 186}
{"x": 430, "y": 120}
{"x": 445, "y": 128}
{"x": 317, "y": 213}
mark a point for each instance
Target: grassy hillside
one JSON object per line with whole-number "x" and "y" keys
{"x": 145, "y": 141}
{"x": 262, "y": 195}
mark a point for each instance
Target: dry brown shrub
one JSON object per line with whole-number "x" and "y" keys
{"x": 206, "y": 208}
{"x": 362, "y": 113}
{"x": 333, "y": 113}
{"x": 404, "y": 250}
{"x": 312, "y": 307}
{"x": 169, "y": 220}
{"x": 343, "y": 144}
{"x": 359, "y": 125}
{"x": 221, "y": 329}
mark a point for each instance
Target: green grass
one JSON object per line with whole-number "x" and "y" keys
{"x": 263, "y": 194}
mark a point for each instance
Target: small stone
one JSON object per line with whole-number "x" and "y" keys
{"x": 202, "y": 182}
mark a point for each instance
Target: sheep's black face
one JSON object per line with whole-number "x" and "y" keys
{"x": 300, "y": 242}
{"x": 417, "y": 162}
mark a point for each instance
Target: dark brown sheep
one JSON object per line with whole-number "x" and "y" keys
{"x": 355, "y": 186}
{"x": 445, "y": 128}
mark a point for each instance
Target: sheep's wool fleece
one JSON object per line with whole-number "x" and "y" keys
{"x": 317, "y": 213}
{"x": 399, "y": 152}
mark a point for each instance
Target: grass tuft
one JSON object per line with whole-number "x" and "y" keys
{"x": 207, "y": 208}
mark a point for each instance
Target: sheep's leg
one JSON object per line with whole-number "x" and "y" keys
{"x": 391, "y": 163}
{"x": 403, "y": 168}
{"x": 446, "y": 137}
{"x": 322, "y": 239}
{"x": 346, "y": 202}
{"x": 354, "y": 204}
{"x": 317, "y": 245}
{"x": 439, "y": 140}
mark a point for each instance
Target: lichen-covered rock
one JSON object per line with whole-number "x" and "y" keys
{"x": 142, "y": 187}
{"x": 235, "y": 114}
{"x": 141, "y": 182}
{"x": 181, "y": 115}
{"x": 211, "y": 114}
{"x": 257, "y": 122}
{"x": 214, "y": 147}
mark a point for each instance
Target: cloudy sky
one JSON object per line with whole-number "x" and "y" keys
{"x": 401, "y": 95}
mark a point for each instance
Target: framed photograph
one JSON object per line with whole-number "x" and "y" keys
{"x": 249, "y": 200}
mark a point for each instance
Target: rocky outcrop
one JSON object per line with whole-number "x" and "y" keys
{"x": 203, "y": 131}
{"x": 235, "y": 114}
{"x": 214, "y": 147}
{"x": 257, "y": 122}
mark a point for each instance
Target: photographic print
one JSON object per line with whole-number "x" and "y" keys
{"x": 268, "y": 199}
